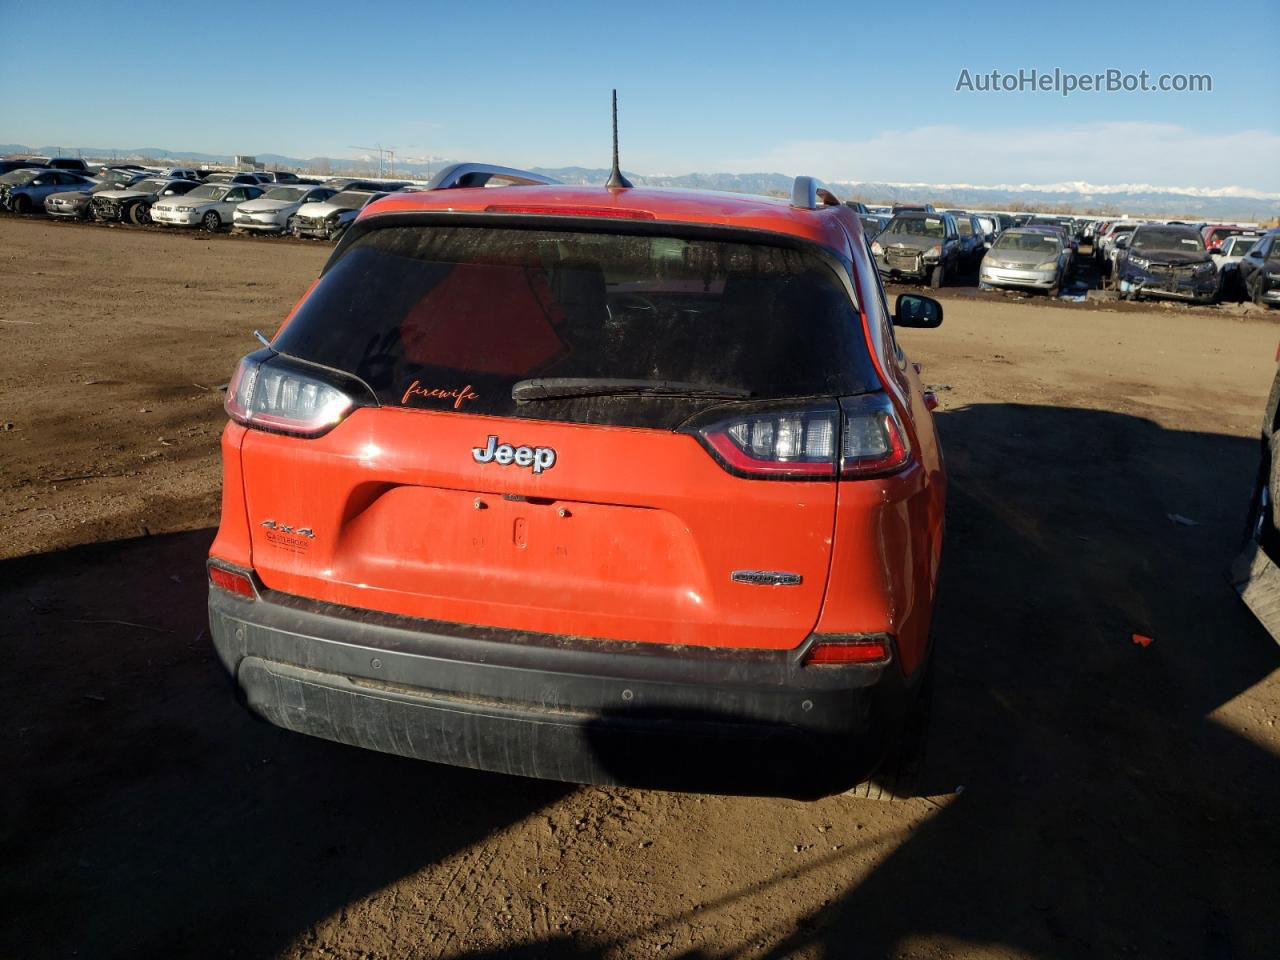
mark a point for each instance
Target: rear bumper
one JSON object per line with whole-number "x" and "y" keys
{"x": 558, "y": 708}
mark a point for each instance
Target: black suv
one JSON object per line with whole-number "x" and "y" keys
{"x": 1260, "y": 270}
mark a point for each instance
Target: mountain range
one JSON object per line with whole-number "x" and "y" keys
{"x": 1192, "y": 203}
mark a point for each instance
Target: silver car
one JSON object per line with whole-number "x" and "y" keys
{"x": 1026, "y": 259}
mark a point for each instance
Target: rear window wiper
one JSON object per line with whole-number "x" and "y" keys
{"x": 555, "y": 388}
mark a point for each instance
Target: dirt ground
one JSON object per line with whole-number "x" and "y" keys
{"x": 1089, "y": 797}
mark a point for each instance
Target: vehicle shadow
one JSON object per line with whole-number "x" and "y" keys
{"x": 144, "y": 813}
{"x": 1098, "y": 806}
{"x": 1107, "y": 811}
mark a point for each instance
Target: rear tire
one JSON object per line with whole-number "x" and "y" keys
{"x": 938, "y": 276}
{"x": 898, "y": 775}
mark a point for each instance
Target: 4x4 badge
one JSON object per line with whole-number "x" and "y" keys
{"x": 285, "y": 528}
{"x": 504, "y": 454}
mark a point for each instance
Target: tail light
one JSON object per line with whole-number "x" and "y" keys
{"x": 860, "y": 438}
{"x": 275, "y": 393}
{"x": 837, "y": 650}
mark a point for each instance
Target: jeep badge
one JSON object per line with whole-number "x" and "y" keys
{"x": 504, "y": 454}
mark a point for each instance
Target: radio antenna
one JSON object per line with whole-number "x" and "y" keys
{"x": 616, "y": 180}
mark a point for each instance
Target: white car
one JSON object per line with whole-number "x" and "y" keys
{"x": 327, "y": 220}
{"x": 1234, "y": 249}
{"x": 209, "y": 206}
{"x": 270, "y": 213}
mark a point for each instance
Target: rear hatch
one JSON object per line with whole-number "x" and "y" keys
{"x": 527, "y": 454}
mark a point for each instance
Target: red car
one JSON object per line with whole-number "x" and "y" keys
{"x": 593, "y": 484}
{"x": 1215, "y": 234}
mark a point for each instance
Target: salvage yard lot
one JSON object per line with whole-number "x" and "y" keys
{"x": 1118, "y": 800}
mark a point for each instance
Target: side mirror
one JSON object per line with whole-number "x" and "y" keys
{"x": 914, "y": 310}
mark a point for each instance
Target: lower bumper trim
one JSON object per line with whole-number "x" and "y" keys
{"x": 682, "y": 722}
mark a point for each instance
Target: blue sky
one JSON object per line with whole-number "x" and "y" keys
{"x": 830, "y": 89}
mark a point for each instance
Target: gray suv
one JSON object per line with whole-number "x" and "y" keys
{"x": 918, "y": 245}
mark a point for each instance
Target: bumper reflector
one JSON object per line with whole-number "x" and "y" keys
{"x": 846, "y": 650}
{"x": 233, "y": 582}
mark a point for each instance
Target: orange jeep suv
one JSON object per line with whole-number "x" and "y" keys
{"x": 593, "y": 484}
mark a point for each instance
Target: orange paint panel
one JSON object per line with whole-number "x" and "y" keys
{"x": 632, "y": 535}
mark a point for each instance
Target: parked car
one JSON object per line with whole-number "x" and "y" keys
{"x": 24, "y": 190}
{"x": 73, "y": 164}
{"x": 1227, "y": 258}
{"x": 1026, "y": 259}
{"x": 132, "y": 204}
{"x": 1068, "y": 225}
{"x": 329, "y": 219}
{"x": 1256, "y": 571}
{"x": 872, "y": 225}
{"x": 270, "y": 212}
{"x": 857, "y": 206}
{"x": 920, "y": 246}
{"x": 278, "y": 176}
{"x": 1259, "y": 270}
{"x": 250, "y": 179}
{"x": 912, "y": 208}
{"x": 210, "y": 206}
{"x": 1104, "y": 251}
{"x": 177, "y": 173}
{"x": 973, "y": 239}
{"x": 1167, "y": 262}
{"x": 592, "y": 607}
{"x": 1233, "y": 250}
{"x": 372, "y": 186}
{"x": 1215, "y": 234}
{"x": 8, "y": 166}
{"x": 76, "y": 204}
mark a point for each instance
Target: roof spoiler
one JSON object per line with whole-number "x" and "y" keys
{"x": 479, "y": 174}
{"x": 805, "y": 194}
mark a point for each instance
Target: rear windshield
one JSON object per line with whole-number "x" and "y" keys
{"x": 451, "y": 318}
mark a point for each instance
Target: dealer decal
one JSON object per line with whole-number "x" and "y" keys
{"x": 458, "y": 395}
{"x": 288, "y": 537}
